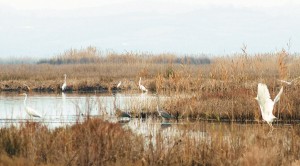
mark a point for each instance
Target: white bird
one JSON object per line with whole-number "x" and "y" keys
{"x": 142, "y": 87}
{"x": 289, "y": 82}
{"x": 31, "y": 112}
{"x": 265, "y": 102}
{"x": 64, "y": 86}
{"x": 119, "y": 84}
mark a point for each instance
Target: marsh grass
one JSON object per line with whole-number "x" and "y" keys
{"x": 96, "y": 142}
{"x": 222, "y": 90}
{"x": 92, "y": 142}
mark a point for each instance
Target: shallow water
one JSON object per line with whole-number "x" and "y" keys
{"x": 62, "y": 109}
{"x": 68, "y": 108}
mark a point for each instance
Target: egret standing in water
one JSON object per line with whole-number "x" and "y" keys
{"x": 142, "y": 87}
{"x": 165, "y": 115}
{"x": 265, "y": 102}
{"x": 31, "y": 112}
{"x": 64, "y": 86}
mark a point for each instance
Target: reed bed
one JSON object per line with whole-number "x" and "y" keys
{"x": 93, "y": 142}
{"x": 96, "y": 142}
{"x": 222, "y": 90}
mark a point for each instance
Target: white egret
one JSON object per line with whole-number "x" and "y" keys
{"x": 289, "y": 82}
{"x": 119, "y": 84}
{"x": 31, "y": 112}
{"x": 142, "y": 88}
{"x": 64, "y": 86}
{"x": 265, "y": 102}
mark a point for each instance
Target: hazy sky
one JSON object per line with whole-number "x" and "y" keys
{"x": 44, "y": 28}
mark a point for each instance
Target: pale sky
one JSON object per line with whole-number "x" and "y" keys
{"x": 44, "y": 28}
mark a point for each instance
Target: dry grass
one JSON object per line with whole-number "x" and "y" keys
{"x": 92, "y": 143}
{"x": 95, "y": 142}
{"x": 222, "y": 90}
{"x": 226, "y": 90}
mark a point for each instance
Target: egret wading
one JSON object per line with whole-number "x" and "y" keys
{"x": 142, "y": 87}
{"x": 165, "y": 115}
{"x": 31, "y": 112}
{"x": 119, "y": 112}
{"x": 265, "y": 102}
{"x": 64, "y": 86}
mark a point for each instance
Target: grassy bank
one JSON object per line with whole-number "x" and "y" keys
{"x": 96, "y": 142}
{"x": 92, "y": 143}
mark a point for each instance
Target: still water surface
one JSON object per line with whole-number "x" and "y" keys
{"x": 69, "y": 108}
{"x": 59, "y": 110}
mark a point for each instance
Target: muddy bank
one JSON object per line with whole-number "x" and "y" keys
{"x": 72, "y": 86}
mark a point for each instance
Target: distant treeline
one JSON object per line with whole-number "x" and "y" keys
{"x": 91, "y": 55}
{"x": 15, "y": 60}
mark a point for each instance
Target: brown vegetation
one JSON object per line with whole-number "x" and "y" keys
{"x": 95, "y": 142}
{"x": 92, "y": 143}
{"x": 222, "y": 90}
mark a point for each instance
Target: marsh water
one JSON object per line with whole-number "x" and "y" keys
{"x": 68, "y": 108}
{"x": 65, "y": 109}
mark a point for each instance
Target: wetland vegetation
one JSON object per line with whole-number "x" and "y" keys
{"x": 212, "y": 97}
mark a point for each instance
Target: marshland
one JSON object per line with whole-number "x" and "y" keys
{"x": 215, "y": 118}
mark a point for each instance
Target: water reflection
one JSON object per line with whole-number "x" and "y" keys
{"x": 165, "y": 125}
{"x": 67, "y": 108}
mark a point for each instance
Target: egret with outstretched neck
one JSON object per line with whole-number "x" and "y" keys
{"x": 31, "y": 112}
{"x": 265, "y": 102}
{"x": 142, "y": 87}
